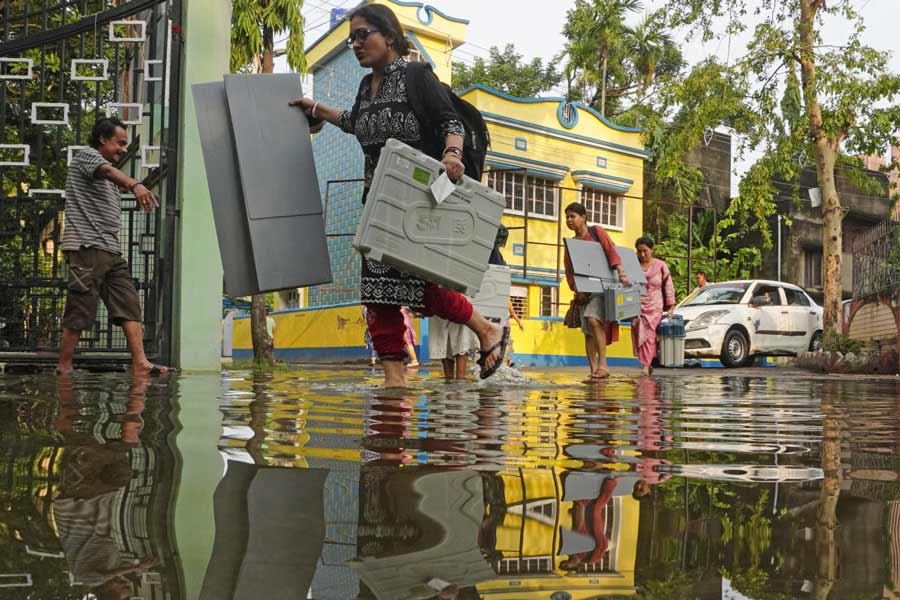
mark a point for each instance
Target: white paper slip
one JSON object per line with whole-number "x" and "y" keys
{"x": 442, "y": 188}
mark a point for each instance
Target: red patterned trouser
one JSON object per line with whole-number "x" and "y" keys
{"x": 386, "y": 324}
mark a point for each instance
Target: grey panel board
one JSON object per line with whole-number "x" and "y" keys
{"x": 632, "y": 265}
{"x": 589, "y": 260}
{"x": 290, "y": 252}
{"x": 217, "y": 143}
{"x": 274, "y": 150}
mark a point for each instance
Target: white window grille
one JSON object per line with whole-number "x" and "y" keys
{"x": 548, "y": 302}
{"x": 540, "y": 194}
{"x": 604, "y": 208}
{"x": 519, "y": 297}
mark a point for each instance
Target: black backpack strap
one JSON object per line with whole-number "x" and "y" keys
{"x": 415, "y": 78}
{"x": 593, "y": 233}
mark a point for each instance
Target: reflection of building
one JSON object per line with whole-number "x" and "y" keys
{"x": 539, "y": 523}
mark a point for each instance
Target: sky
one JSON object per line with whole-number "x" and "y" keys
{"x": 534, "y": 27}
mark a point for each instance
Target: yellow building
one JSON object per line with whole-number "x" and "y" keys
{"x": 534, "y": 529}
{"x": 545, "y": 154}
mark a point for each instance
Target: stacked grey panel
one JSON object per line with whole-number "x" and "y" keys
{"x": 593, "y": 275}
{"x": 403, "y": 226}
{"x": 492, "y": 300}
{"x": 262, "y": 180}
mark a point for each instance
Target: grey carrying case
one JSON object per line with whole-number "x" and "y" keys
{"x": 403, "y": 226}
{"x": 593, "y": 275}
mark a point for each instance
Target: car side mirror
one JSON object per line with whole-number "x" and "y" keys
{"x": 758, "y": 301}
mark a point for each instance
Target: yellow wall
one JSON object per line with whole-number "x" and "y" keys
{"x": 439, "y": 37}
{"x": 575, "y": 149}
{"x": 341, "y": 327}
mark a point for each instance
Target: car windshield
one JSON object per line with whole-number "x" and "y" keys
{"x": 731, "y": 293}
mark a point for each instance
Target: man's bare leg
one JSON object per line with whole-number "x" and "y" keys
{"x": 394, "y": 373}
{"x": 488, "y": 334}
{"x": 134, "y": 334}
{"x": 70, "y": 339}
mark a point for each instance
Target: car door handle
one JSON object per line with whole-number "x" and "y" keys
{"x": 812, "y": 312}
{"x": 785, "y": 312}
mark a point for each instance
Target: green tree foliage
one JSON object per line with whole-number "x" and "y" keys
{"x": 612, "y": 66}
{"x": 816, "y": 103}
{"x": 716, "y": 248}
{"x": 507, "y": 70}
{"x": 254, "y": 25}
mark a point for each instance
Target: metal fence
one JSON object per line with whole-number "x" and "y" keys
{"x": 63, "y": 64}
{"x": 876, "y": 260}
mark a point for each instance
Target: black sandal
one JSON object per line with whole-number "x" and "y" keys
{"x": 483, "y": 354}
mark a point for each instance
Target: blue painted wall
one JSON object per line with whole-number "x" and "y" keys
{"x": 338, "y": 156}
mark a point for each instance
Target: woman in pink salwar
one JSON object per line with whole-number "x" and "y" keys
{"x": 660, "y": 299}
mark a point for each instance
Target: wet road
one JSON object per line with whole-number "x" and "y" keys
{"x": 316, "y": 484}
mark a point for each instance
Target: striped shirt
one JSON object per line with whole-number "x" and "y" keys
{"x": 93, "y": 206}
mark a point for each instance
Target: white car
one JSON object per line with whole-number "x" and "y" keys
{"x": 737, "y": 320}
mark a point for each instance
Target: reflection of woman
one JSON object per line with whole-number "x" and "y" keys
{"x": 659, "y": 300}
{"x": 598, "y": 330}
{"x": 382, "y": 110}
{"x": 589, "y": 519}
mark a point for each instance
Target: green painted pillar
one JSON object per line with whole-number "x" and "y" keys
{"x": 198, "y": 279}
{"x": 201, "y": 469}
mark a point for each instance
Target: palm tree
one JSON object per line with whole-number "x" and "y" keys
{"x": 611, "y": 34}
{"x": 648, "y": 46}
{"x": 597, "y": 30}
{"x": 254, "y": 25}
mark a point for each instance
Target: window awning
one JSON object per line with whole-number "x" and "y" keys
{"x": 602, "y": 181}
{"x": 537, "y": 168}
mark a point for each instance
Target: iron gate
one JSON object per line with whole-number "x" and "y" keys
{"x": 63, "y": 64}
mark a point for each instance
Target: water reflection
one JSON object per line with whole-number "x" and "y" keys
{"x": 324, "y": 486}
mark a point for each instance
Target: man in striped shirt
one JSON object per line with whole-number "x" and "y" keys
{"x": 90, "y": 244}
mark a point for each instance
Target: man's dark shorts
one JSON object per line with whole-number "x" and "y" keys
{"x": 96, "y": 275}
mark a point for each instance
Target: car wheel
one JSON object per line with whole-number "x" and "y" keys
{"x": 735, "y": 349}
{"x": 815, "y": 344}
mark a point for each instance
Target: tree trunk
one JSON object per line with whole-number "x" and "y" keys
{"x": 825, "y": 150}
{"x": 829, "y": 494}
{"x": 263, "y": 343}
{"x": 603, "y": 85}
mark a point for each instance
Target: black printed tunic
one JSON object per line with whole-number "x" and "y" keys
{"x": 374, "y": 120}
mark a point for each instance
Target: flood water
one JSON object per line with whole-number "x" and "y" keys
{"x": 316, "y": 484}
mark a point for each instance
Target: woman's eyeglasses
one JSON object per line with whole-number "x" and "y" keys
{"x": 360, "y": 35}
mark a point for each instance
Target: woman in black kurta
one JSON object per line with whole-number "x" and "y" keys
{"x": 382, "y": 111}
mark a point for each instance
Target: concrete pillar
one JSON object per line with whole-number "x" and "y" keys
{"x": 201, "y": 469}
{"x": 197, "y": 334}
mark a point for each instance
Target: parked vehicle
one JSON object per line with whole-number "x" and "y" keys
{"x": 737, "y": 320}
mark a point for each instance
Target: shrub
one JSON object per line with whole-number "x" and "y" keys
{"x": 838, "y": 342}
